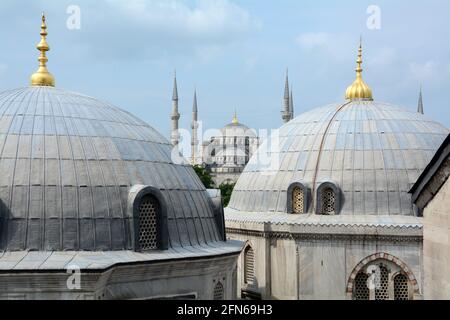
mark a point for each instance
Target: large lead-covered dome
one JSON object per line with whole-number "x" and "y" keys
{"x": 372, "y": 152}
{"x": 67, "y": 165}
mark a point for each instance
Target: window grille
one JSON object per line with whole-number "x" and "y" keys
{"x": 328, "y": 201}
{"x": 382, "y": 292}
{"x": 249, "y": 266}
{"x": 218, "y": 291}
{"x": 298, "y": 200}
{"x": 361, "y": 289}
{"x": 148, "y": 233}
{"x": 401, "y": 291}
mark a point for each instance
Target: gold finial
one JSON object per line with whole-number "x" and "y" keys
{"x": 359, "y": 89}
{"x": 235, "y": 119}
{"x": 42, "y": 77}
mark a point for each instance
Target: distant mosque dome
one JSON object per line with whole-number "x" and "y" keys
{"x": 227, "y": 153}
{"x": 359, "y": 157}
{"x": 237, "y": 129}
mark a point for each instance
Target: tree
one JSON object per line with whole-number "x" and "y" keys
{"x": 204, "y": 176}
{"x": 226, "y": 189}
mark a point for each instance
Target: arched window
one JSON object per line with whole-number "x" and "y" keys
{"x": 249, "y": 265}
{"x": 149, "y": 210}
{"x": 401, "y": 288}
{"x": 361, "y": 290}
{"x": 375, "y": 282}
{"x": 218, "y": 291}
{"x": 328, "y": 199}
{"x": 297, "y": 198}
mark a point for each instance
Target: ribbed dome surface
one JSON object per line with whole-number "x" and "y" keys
{"x": 67, "y": 162}
{"x": 372, "y": 151}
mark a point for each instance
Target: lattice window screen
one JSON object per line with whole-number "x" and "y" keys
{"x": 298, "y": 200}
{"x": 249, "y": 266}
{"x": 361, "y": 290}
{"x": 328, "y": 201}
{"x": 401, "y": 291}
{"x": 382, "y": 292}
{"x": 218, "y": 291}
{"x": 148, "y": 233}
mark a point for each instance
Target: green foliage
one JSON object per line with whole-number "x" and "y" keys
{"x": 204, "y": 176}
{"x": 226, "y": 189}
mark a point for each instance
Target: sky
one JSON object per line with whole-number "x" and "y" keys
{"x": 235, "y": 53}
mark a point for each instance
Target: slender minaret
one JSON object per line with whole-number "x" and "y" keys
{"x": 420, "y": 103}
{"x": 291, "y": 105}
{"x": 175, "y": 136}
{"x": 194, "y": 126}
{"x": 285, "y": 113}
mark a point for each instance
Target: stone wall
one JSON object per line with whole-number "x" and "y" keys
{"x": 437, "y": 245}
{"x": 313, "y": 267}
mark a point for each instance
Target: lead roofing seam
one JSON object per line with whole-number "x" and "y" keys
{"x": 14, "y": 93}
{"x": 15, "y": 162}
{"x": 61, "y": 228}
{"x": 69, "y": 143}
{"x": 320, "y": 151}
{"x": 85, "y": 160}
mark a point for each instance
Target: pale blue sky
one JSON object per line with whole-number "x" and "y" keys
{"x": 234, "y": 52}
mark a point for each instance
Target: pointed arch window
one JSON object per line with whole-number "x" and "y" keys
{"x": 401, "y": 287}
{"x": 381, "y": 280}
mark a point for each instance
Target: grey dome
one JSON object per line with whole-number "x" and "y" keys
{"x": 373, "y": 152}
{"x": 67, "y": 164}
{"x": 237, "y": 130}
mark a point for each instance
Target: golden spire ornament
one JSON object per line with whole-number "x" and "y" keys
{"x": 359, "y": 90}
{"x": 42, "y": 77}
{"x": 235, "y": 119}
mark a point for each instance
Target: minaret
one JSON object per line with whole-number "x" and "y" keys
{"x": 175, "y": 137}
{"x": 420, "y": 103}
{"x": 194, "y": 126}
{"x": 42, "y": 77}
{"x": 291, "y": 105}
{"x": 285, "y": 113}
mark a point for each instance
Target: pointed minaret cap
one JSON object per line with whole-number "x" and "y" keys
{"x": 194, "y": 104}
{"x": 175, "y": 87}
{"x": 359, "y": 90}
{"x": 286, "y": 85}
{"x": 420, "y": 103}
{"x": 42, "y": 77}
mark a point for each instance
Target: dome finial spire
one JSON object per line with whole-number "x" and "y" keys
{"x": 235, "y": 119}
{"x": 42, "y": 77}
{"x": 359, "y": 89}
